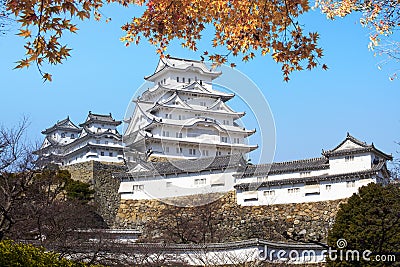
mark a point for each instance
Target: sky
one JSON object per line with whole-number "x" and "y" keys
{"x": 313, "y": 111}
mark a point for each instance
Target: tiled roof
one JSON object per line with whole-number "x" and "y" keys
{"x": 188, "y": 165}
{"x": 364, "y": 147}
{"x": 65, "y": 124}
{"x": 285, "y": 167}
{"x": 192, "y": 122}
{"x": 106, "y": 119}
{"x": 201, "y": 249}
{"x": 381, "y": 166}
{"x": 181, "y": 64}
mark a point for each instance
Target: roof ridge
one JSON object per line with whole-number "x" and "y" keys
{"x": 101, "y": 115}
{"x": 292, "y": 161}
{"x": 184, "y": 59}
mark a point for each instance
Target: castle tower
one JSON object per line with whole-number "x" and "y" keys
{"x": 183, "y": 117}
{"x": 96, "y": 139}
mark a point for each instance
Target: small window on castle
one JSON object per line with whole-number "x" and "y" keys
{"x": 236, "y": 140}
{"x": 97, "y": 141}
{"x": 192, "y": 151}
{"x": 205, "y": 153}
{"x": 98, "y": 129}
{"x": 188, "y": 80}
{"x": 351, "y": 183}
{"x": 63, "y": 135}
{"x": 178, "y": 150}
{"x": 164, "y": 81}
{"x": 178, "y": 135}
{"x": 328, "y": 187}
{"x": 72, "y": 136}
{"x": 202, "y": 103}
{"x": 138, "y": 187}
{"x": 177, "y": 79}
{"x": 167, "y": 149}
{"x": 106, "y": 142}
{"x": 110, "y": 154}
{"x": 295, "y": 190}
{"x": 224, "y": 139}
{"x": 349, "y": 158}
{"x": 269, "y": 193}
{"x": 200, "y": 181}
{"x": 183, "y": 79}
{"x": 101, "y": 153}
{"x": 165, "y": 133}
{"x": 305, "y": 174}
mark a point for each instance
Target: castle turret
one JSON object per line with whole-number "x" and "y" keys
{"x": 182, "y": 116}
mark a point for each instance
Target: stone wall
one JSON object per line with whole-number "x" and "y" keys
{"x": 310, "y": 221}
{"x": 100, "y": 176}
{"x": 81, "y": 171}
{"x": 302, "y": 221}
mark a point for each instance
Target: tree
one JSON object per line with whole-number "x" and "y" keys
{"x": 4, "y": 17}
{"x": 51, "y": 210}
{"x": 244, "y": 28}
{"x": 17, "y": 169}
{"x": 381, "y": 16}
{"x": 370, "y": 220}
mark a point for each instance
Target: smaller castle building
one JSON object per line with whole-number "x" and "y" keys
{"x": 95, "y": 139}
{"x": 337, "y": 174}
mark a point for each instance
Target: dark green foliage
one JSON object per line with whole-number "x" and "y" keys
{"x": 17, "y": 254}
{"x": 79, "y": 191}
{"x": 370, "y": 220}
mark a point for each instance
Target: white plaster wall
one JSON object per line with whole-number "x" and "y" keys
{"x": 337, "y": 190}
{"x": 182, "y": 185}
{"x": 339, "y": 165}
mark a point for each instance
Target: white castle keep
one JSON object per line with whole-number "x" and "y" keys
{"x": 96, "y": 139}
{"x": 183, "y": 139}
{"x": 183, "y": 117}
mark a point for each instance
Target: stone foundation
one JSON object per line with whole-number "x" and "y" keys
{"x": 309, "y": 221}
{"x": 99, "y": 175}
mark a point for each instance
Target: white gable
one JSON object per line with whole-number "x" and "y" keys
{"x": 348, "y": 144}
{"x": 220, "y": 105}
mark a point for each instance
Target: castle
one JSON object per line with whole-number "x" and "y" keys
{"x": 183, "y": 139}
{"x": 95, "y": 139}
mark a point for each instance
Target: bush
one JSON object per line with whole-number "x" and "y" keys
{"x": 370, "y": 220}
{"x": 21, "y": 255}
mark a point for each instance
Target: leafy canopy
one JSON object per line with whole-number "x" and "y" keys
{"x": 370, "y": 220}
{"x": 18, "y": 254}
{"x": 244, "y": 28}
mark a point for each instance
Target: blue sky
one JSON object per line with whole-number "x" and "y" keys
{"x": 312, "y": 112}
